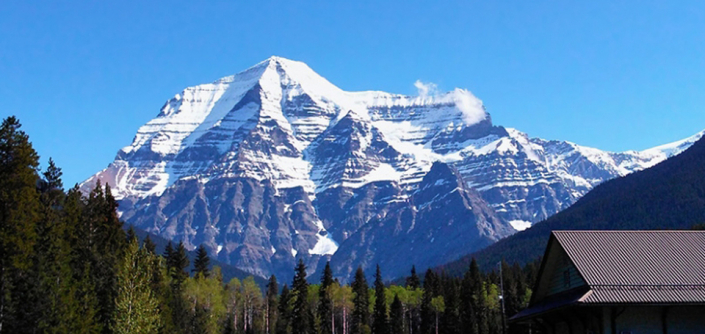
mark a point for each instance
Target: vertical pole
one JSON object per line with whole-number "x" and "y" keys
{"x": 501, "y": 296}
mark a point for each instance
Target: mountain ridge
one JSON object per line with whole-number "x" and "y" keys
{"x": 260, "y": 162}
{"x": 669, "y": 195}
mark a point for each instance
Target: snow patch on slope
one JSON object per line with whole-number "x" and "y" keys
{"x": 324, "y": 246}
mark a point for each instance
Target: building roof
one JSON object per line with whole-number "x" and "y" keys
{"x": 628, "y": 268}
{"x": 636, "y": 258}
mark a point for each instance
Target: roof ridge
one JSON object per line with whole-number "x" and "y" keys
{"x": 627, "y": 231}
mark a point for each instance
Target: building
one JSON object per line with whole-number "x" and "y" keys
{"x": 620, "y": 282}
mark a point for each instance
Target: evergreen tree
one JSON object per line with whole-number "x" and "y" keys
{"x": 379, "y": 322}
{"x": 468, "y": 302}
{"x": 396, "y": 316}
{"x": 79, "y": 288}
{"x": 136, "y": 307}
{"x": 361, "y": 309}
{"x": 87, "y": 297}
{"x": 300, "y": 313}
{"x": 272, "y": 305}
{"x": 284, "y": 319}
{"x": 131, "y": 235}
{"x": 428, "y": 315}
{"x": 169, "y": 256}
{"x": 478, "y": 298}
{"x": 450, "y": 318}
{"x": 413, "y": 281}
{"x": 178, "y": 263}
{"x": 19, "y": 214}
{"x": 325, "y": 304}
{"x": 103, "y": 242}
{"x": 53, "y": 255}
{"x": 202, "y": 262}
{"x": 149, "y": 245}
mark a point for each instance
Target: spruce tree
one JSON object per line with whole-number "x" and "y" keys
{"x": 149, "y": 245}
{"x": 396, "y": 316}
{"x": 103, "y": 241}
{"x": 20, "y": 211}
{"x": 413, "y": 281}
{"x": 130, "y": 235}
{"x": 80, "y": 287}
{"x": 379, "y": 322}
{"x": 169, "y": 256}
{"x": 468, "y": 305}
{"x": 177, "y": 262}
{"x": 479, "y": 300}
{"x": 51, "y": 249}
{"x": 325, "y": 304}
{"x": 361, "y": 310}
{"x": 271, "y": 305}
{"x": 428, "y": 314}
{"x": 284, "y": 320}
{"x": 300, "y": 313}
{"x": 450, "y": 318}
{"x": 201, "y": 263}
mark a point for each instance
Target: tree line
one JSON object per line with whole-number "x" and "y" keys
{"x": 68, "y": 266}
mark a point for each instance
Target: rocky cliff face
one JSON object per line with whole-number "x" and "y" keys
{"x": 276, "y": 163}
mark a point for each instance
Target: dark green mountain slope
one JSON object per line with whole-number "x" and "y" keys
{"x": 670, "y": 195}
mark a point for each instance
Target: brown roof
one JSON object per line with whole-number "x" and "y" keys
{"x": 636, "y": 258}
{"x": 631, "y": 267}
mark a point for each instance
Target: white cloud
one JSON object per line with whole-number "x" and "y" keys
{"x": 470, "y": 106}
{"x": 426, "y": 89}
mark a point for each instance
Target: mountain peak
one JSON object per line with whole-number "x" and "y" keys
{"x": 274, "y": 61}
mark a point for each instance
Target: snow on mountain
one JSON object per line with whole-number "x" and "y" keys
{"x": 276, "y": 161}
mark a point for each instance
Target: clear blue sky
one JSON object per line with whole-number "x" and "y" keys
{"x": 616, "y": 75}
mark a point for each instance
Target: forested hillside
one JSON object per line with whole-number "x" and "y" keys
{"x": 670, "y": 195}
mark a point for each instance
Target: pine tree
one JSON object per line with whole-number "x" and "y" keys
{"x": 468, "y": 307}
{"x": 103, "y": 241}
{"x": 284, "y": 319}
{"x": 271, "y": 305}
{"x": 136, "y": 307}
{"x": 361, "y": 310}
{"x": 131, "y": 235}
{"x": 19, "y": 214}
{"x": 202, "y": 262}
{"x": 479, "y": 302}
{"x": 428, "y": 315}
{"x": 149, "y": 245}
{"x": 450, "y": 318}
{"x": 413, "y": 281}
{"x": 178, "y": 262}
{"x": 396, "y": 316}
{"x": 169, "y": 256}
{"x": 325, "y": 304}
{"x": 300, "y": 313}
{"x": 79, "y": 288}
{"x": 379, "y": 322}
{"x": 56, "y": 253}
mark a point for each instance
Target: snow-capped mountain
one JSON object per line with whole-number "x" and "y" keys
{"x": 276, "y": 163}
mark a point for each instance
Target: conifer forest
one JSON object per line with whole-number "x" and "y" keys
{"x": 68, "y": 265}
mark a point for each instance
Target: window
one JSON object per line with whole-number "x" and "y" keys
{"x": 566, "y": 278}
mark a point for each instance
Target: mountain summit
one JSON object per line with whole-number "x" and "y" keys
{"x": 276, "y": 163}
